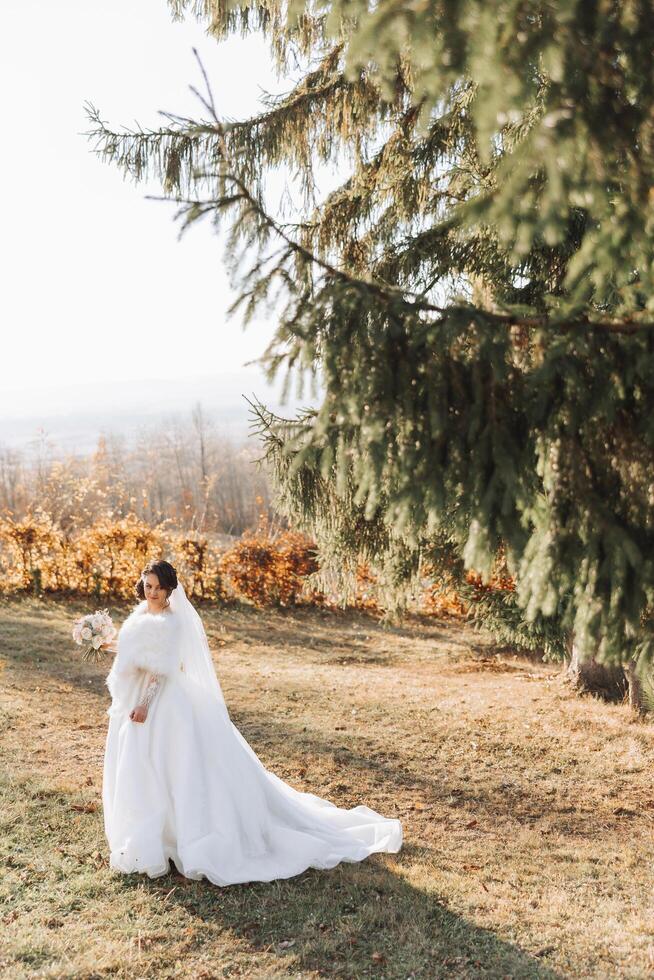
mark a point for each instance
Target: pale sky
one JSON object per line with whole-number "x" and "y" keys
{"x": 96, "y": 287}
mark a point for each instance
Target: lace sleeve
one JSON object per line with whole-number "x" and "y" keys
{"x": 154, "y": 683}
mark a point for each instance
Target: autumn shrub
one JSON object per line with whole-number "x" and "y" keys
{"x": 198, "y": 563}
{"x": 31, "y": 553}
{"x": 438, "y": 597}
{"x": 109, "y": 555}
{"x": 271, "y": 570}
{"x": 104, "y": 558}
{"x": 366, "y": 589}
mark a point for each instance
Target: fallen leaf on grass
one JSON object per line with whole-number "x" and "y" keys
{"x": 96, "y": 859}
{"x": 378, "y": 957}
{"x": 471, "y": 823}
{"x": 287, "y": 943}
{"x": 85, "y": 807}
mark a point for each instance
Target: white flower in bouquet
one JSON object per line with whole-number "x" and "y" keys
{"x": 92, "y": 632}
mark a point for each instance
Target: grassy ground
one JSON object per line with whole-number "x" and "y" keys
{"x": 527, "y": 812}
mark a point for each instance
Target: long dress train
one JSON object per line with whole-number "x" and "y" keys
{"x": 185, "y": 785}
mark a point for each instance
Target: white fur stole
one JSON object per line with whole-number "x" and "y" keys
{"x": 146, "y": 642}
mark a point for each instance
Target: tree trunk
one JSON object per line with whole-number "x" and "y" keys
{"x": 636, "y": 700}
{"x": 590, "y": 676}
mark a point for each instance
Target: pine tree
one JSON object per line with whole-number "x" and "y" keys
{"x": 475, "y": 296}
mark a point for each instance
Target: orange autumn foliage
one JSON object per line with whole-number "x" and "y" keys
{"x": 104, "y": 558}
{"x": 270, "y": 570}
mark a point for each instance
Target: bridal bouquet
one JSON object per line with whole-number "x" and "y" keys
{"x": 92, "y": 632}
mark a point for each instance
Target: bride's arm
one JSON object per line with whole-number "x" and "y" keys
{"x": 140, "y": 712}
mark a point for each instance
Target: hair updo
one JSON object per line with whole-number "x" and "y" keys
{"x": 165, "y": 573}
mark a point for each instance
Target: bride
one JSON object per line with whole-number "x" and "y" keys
{"x": 180, "y": 782}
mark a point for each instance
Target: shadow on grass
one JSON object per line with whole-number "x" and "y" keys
{"x": 393, "y": 771}
{"x": 356, "y": 920}
{"x": 29, "y": 635}
{"x": 352, "y": 921}
{"x": 31, "y": 640}
{"x": 341, "y": 629}
{"x": 32, "y": 647}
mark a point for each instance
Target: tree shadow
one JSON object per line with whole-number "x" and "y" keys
{"x": 523, "y": 805}
{"x": 356, "y": 920}
{"x": 330, "y": 922}
{"x": 272, "y": 734}
{"x": 331, "y": 634}
{"x": 35, "y": 651}
{"x": 331, "y": 628}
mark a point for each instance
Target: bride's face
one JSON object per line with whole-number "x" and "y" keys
{"x": 154, "y": 592}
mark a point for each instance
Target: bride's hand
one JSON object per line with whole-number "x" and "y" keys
{"x": 110, "y": 647}
{"x": 139, "y": 713}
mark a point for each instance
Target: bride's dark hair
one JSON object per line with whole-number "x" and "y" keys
{"x": 165, "y": 573}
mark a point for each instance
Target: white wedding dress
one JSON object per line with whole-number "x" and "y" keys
{"x": 185, "y": 785}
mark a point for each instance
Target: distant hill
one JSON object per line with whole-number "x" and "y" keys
{"x": 73, "y": 418}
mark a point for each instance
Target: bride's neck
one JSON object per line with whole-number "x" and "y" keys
{"x": 155, "y": 610}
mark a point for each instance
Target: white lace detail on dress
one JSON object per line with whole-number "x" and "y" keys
{"x": 151, "y": 690}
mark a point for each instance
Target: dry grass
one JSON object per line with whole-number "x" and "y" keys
{"x": 527, "y": 812}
